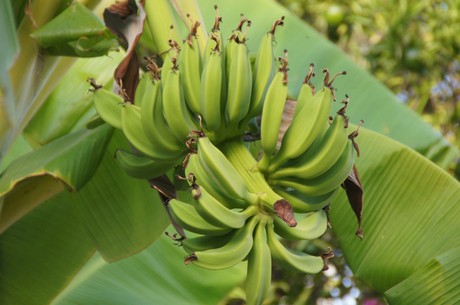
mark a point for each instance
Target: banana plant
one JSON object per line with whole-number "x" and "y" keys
{"x": 80, "y": 226}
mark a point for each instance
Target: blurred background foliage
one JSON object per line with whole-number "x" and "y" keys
{"x": 412, "y": 46}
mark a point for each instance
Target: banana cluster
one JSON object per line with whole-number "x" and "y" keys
{"x": 235, "y": 216}
{"x": 194, "y": 111}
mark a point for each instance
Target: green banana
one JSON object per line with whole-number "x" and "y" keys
{"x": 272, "y": 114}
{"x": 326, "y": 182}
{"x": 217, "y": 34}
{"x": 205, "y": 242}
{"x": 205, "y": 177}
{"x": 153, "y": 122}
{"x": 236, "y": 37}
{"x": 141, "y": 167}
{"x": 310, "y": 226}
{"x": 293, "y": 260}
{"x": 263, "y": 70}
{"x": 232, "y": 253}
{"x": 302, "y": 203}
{"x": 190, "y": 66}
{"x": 211, "y": 89}
{"x": 315, "y": 162}
{"x": 188, "y": 218}
{"x": 259, "y": 273}
{"x": 108, "y": 106}
{"x": 175, "y": 110}
{"x": 239, "y": 83}
{"x": 216, "y": 213}
{"x": 307, "y": 91}
{"x": 170, "y": 60}
{"x": 241, "y": 159}
{"x": 307, "y": 125}
{"x": 141, "y": 88}
{"x": 134, "y": 132}
{"x": 223, "y": 171}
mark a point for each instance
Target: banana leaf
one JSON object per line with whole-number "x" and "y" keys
{"x": 42, "y": 173}
{"x": 410, "y": 224}
{"x": 123, "y": 215}
{"x": 42, "y": 252}
{"x": 155, "y": 276}
{"x": 75, "y": 32}
{"x": 436, "y": 283}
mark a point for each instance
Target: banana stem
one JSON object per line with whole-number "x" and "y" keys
{"x": 237, "y": 153}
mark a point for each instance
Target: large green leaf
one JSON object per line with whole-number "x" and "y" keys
{"x": 73, "y": 159}
{"x": 411, "y": 210}
{"x": 75, "y": 32}
{"x": 123, "y": 215}
{"x": 370, "y": 100}
{"x": 436, "y": 283}
{"x": 41, "y": 253}
{"x": 157, "y": 275}
{"x": 40, "y": 174}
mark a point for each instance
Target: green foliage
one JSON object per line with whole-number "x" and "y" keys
{"x": 75, "y": 32}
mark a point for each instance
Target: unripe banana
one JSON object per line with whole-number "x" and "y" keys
{"x": 223, "y": 171}
{"x": 293, "y": 260}
{"x": 263, "y": 70}
{"x": 307, "y": 91}
{"x": 315, "y": 162}
{"x": 108, "y": 106}
{"x": 236, "y": 37}
{"x": 216, "y": 213}
{"x": 188, "y": 218}
{"x": 259, "y": 273}
{"x": 175, "y": 110}
{"x": 212, "y": 82}
{"x": 205, "y": 177}
{"x": 246, "y": 166}
{"x": 217, "y": 34}
{"x": 232, "y": 253}
{"x": 170, "y": 60}
{"x": 326, "y": 182}
{"x": 141, "y": 88}
{"x": 272, "y": 114}
{"x": 190, "y": 66}
{"x": 309, "y": 122}
{"x": 310, "y": 226}
{"x": 301, "y": 203}
{"x": 134, "y": 132}
{"x": 141, "y": 167}
{"x": 307, "y": 125}
{"x": 239, "y": 83}
{"x": 153, "y": 122}
{"x": 205, "y": 242}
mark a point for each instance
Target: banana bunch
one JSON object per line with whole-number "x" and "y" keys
{"x": 235, "y": 216}
{"x": 246, "y": 197}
